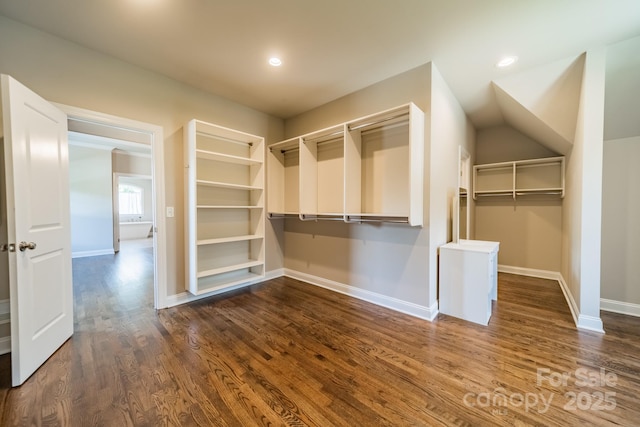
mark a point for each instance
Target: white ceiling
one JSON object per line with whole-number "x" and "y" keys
{"x": 333, "y": 47}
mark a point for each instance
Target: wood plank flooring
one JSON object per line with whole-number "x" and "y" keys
{"x": 286, "y": 353}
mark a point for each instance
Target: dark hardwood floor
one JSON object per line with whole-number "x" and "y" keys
{"x": 288, "y": 353}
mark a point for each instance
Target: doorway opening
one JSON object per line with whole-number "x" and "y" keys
{"x": 132, "y": 211}
{"x": 128, "y": 142}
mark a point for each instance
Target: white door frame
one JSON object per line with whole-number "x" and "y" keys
{"x": 154, "y": 134}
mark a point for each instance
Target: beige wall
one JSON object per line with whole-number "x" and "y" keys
{"x": 69, "y": 74}
{"x": 504, "y": 143}
{"x": 131, "y": 163}
{"x": 620, "y": 220}
{"x": 91, "y": 200}
{"x": 530, "y": 229}
{"x": 581, "y": 216}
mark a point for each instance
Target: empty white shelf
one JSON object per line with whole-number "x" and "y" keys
{"x": 229, "y": 239}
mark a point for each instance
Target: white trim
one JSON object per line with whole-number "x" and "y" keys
{"x": 530, "y": 272}
{"x": 589, "y": 323}
{"x": 274, "y": 274}
{"x": 5, "y": 345}
{"x": 620, "y": 307}
{"x": 153, "y": 133}
{"x": 82, "y": 254}
{"x": 422, "y": 312}
{"x": 186, "y": 297}
{"x": 568, "y": 296}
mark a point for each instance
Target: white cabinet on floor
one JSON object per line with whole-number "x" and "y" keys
{"x": 469, "y": 279}
{"x": 224, "y": 207}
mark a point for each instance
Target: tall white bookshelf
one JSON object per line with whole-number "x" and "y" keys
{"x": 224, "y": 207}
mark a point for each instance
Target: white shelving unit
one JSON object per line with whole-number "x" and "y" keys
{"x": 224, "y": 207}
{"x": 520, "y": 178}
{"x": 368, "y": 169}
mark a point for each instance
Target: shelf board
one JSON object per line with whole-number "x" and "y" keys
{"x": 376, "y": 215}
{"x": 226, "y": 185}
{"x": 219, "y": 240}
{"x": 323, "y": 214}
{"x": 494, "y": 191}
{"x": 229, "y": 268}
{"x": 558, "y": 191}
{"x": 226, "y": 283}
{"x": 227, "y": 207}
{"x": 212, "y": 155}
{"x": 538, "y": 190}
{"x": 5, "y": 318}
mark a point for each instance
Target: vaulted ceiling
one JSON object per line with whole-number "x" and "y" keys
{"x": 330, "y": 48}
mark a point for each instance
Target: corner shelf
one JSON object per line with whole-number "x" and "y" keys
{"x": 224, "y": 207}
{"x": 365, "y": 170}
{"x": 520, "y": 178}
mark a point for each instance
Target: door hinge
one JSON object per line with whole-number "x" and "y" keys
{"x": 10, "y": 247}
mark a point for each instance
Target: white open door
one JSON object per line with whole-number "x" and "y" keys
{"x": 37, "y": 181}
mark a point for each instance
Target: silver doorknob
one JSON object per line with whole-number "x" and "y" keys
{"x": 23, "y": 246}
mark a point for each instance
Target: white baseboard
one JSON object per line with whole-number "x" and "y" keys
{"x": 423, "y": 312}
{"x": 530, "y": 272}
{"x": 589, "y": 323}
{"x": 185, "y": 297}
{"x": 620, "y": 307}
{"x": 82, "y": 254}
{"x": 5, "y": 345}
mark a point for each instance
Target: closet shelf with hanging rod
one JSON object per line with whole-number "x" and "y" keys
{"x": 365, "y": 170}
{"x": 519, "y": 178}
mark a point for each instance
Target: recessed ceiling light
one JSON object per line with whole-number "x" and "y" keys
{"x": 276, "y": 62}
{"x": 507, "y": 61}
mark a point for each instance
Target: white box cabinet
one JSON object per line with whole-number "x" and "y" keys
{"x": 469, "y": 279}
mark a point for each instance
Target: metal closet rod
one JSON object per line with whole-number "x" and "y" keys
{"x": 221, "y": 138}
{"x": 533, "y": 193}
{"x": 296, "y": 148}
{"x": 381, "y": 219}
{"x": 375, "y": 122}
{"x": 321, "y": 218}
{"x": 284, "y": 150}
{"x": 496, "y": 194}
{"x": 325, "y": 138}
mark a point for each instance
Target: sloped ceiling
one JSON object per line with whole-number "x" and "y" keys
{"x": 543, "y": 102}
